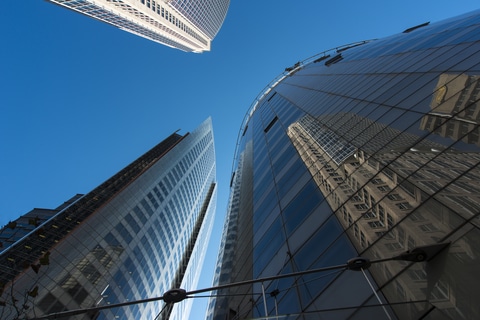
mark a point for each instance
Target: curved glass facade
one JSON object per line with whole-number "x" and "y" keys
{"x": 136, "y": 236}
{"x": 371, "y": 150}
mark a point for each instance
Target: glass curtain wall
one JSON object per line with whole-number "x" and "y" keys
{"x": 372, "y": 150}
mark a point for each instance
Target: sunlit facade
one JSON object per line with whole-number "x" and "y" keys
{"x": 371, "y": 150}
{"x": 136, "y": 236}
{"x": 188, "y": 25}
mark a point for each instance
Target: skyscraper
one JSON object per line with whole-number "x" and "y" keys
{"x": 367, "y": 150}
{"x": 188, "y": 25}
{"x": 139, "y": 234}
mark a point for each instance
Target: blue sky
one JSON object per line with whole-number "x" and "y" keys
{"x": 80, "y": 99}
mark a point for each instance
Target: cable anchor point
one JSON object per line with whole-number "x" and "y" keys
{"x": 174, "y": 295}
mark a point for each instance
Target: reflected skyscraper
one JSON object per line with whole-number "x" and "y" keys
{"x": 456, "y": 105}
{"x": 139, "y": 234}
{"x": 188, "y": 25}
{"x": 367, "y": 150}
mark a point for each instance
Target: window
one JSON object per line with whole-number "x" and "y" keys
{"x": 439, "y": 292}
{"x": 373, "y": 202}
{"x": 401, "y": 235}
{"x": 403, "y": 205}
{"x": 416, "y": 216}
{"x": 408, "y": 187}
{"x": 270, "y": 125}
{"x": 393, "y": 246}
{"x": 345, "y": 214}
{"x": 147, "y": 207}
{"x": 382, "y": 216}
{"x": 400, "y": 290}
{"x": 133, "y": 224}
{"x": 357, "y": 198}
{"x": 376, "y": 224}
{"x": 384, "y": 188}
{"x": 153, "y": 200}
{"x": 394, "y": 197}
{"x": 366, "y": 195}
{"x": 428, "y": 227}
{"x": 381, "y": 210}
{"x": 334, "y": 60}
{"x": 89, "y": 271}
{"x": 390, "y": 221}
{"x": 416, "y": 27}
{"x": 411, "y": 242}
{"x": 361, "y": 207}
{"x": 370, "y": 215}
{"x": 389, "y": 173}
{"x": 417, "y": 274}
{"x": 50, "y": 304}
{"x": 124, "y": 232}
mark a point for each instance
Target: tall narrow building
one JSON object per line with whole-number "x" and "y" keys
{"x": 188, "y": 25}
{"x": 369, "y": 150}
{"x": 139, "y": 234}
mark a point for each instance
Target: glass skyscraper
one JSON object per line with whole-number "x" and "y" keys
{"x": 139, "y": 234}
{"x": 368, "y": 150}
{"x": 188, "y": 25}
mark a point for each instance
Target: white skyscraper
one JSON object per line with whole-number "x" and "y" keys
{"x": 139, "y": 234}
{"x": 188, "y": 25}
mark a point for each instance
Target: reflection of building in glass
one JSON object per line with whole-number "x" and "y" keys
{"x": 188, "y": 25}
{"x": 455, "y": 108}
{"x": 139, "y": 234}
{"x": 235, "y": 223}
{"x": 334, "y": 160}
{"x": 381, "y": 196}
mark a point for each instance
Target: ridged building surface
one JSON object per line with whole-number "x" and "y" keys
{"x": 139, "y": 234}
{"x": 372, "y": 150}
{"x": 188, "y": 25}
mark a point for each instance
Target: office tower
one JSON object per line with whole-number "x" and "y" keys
{"x": 188, "y": 25}
{"x": 368, "y": 150}
{"x": 136, "y": 236}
